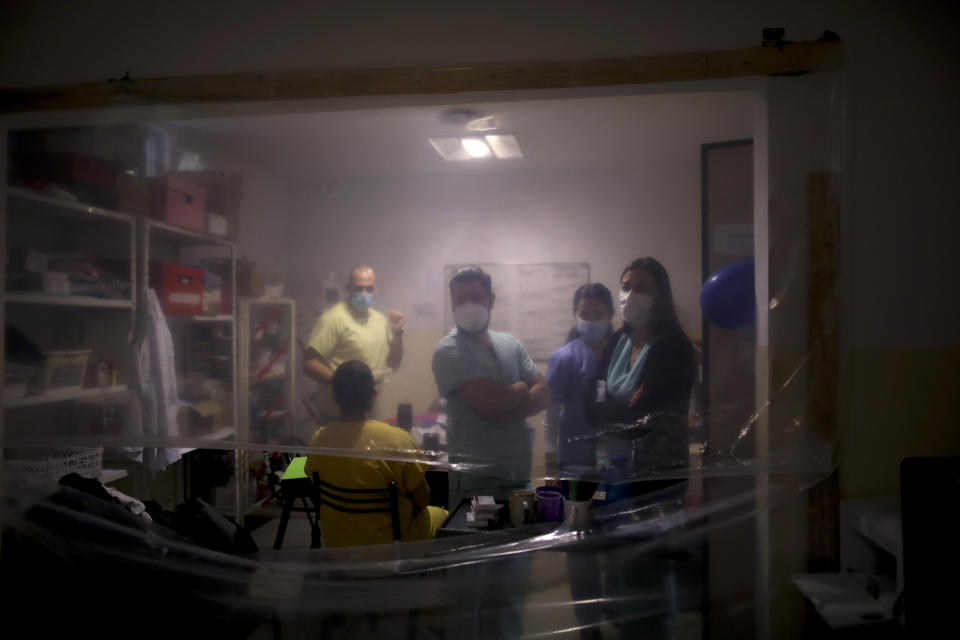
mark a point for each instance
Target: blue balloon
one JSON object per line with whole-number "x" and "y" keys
{"x": 728, "y": 298}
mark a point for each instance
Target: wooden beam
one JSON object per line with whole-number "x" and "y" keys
{"x": 823, "y": 500}
{"x": 801, "y": 57}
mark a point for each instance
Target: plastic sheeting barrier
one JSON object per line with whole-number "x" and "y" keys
{"x": 686, "y": 558}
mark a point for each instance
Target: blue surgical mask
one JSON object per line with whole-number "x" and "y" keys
{"x": 592, "y": 331}
{"x": 361, "y": 301}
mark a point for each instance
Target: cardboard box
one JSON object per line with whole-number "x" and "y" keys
{"x": 175, "y": 201}
{"x": 212, "y": 301}
{"x": 249, "y": 281}
{"x": 216, "y": 224}
{"x": 202, "y": 417}
{"x": 133, "y": 194}
{"x": 224, "y": 191}
{"x": 56, "y": 282}
{"x": 35, "y": 261}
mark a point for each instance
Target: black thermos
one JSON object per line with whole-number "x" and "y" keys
{"x": 405, "y": 416}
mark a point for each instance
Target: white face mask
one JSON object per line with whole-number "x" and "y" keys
{"x": 592, "y": 331}
{"x": 636, "y": 308}
{"x": 471, "y": 317}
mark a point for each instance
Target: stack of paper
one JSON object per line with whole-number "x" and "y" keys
{"x": 483, "y": 509}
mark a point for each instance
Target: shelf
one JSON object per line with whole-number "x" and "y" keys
{"x": 171, "y": 233}
{"x": 207, "y": 319}
{"x": 219, "y": 434}
{"x": 82, "y": 394}
{"x": 68, "y": 301}
{"x": 112, "y": 475}
{"x": 60, "y": 208}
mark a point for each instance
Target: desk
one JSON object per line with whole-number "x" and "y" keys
{"x": 456, "y": 523}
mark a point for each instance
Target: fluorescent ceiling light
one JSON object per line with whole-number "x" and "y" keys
{"x": 449, "y": 148}
{"x": 504, "y": 146}
{"x": 469, "y": 147}
{"x": 476, "y": 147}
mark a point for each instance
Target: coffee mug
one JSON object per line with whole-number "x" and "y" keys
{"x": 576, "y": 513}
{"x": 521, "y": 507}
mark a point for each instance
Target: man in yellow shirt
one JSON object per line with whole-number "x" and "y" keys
{"x": 386, "y": 454}
{"x": 353, "y": 330}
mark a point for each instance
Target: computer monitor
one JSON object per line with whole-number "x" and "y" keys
{"x": 930, "y": 504}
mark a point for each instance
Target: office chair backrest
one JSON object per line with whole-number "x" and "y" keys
{"x": 384, "y": 500}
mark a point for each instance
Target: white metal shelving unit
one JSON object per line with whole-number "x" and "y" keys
{"x": 147, "y": 238}
{"x": 67, "y": 301}
{"x": 171, "y": 243}
{"x": 65, "y": 396}
{"x": 257, "y": 320}
{"x": 27, "y": 207}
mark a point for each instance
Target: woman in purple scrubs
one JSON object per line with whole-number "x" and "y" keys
{"x": 569, "y": 440}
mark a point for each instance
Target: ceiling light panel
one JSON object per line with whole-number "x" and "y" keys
{"x": 449, "y": 148}
{"x": 476, "y": 147}
{"x": 504, "y": 146}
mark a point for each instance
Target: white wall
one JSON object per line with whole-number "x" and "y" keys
{"x": 409, "y": 228}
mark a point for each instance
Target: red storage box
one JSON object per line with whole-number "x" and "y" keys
{"x": 92, "y": 180}
{"x": 179, "y": 288}
{"x": 178, "y": 202}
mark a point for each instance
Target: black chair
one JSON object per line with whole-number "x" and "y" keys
{"x": 293, "y": 486}
{"x": 345, "y": 501}
{"x": 351, "y": 501}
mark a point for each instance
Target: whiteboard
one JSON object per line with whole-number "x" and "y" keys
{"x": 534, "y": 302}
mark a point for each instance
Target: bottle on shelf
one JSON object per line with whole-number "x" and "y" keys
{"x": 275, "y": 288}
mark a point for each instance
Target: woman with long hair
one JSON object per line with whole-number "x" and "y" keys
{"x": 646, "y": 373}
{"x": 641, "y": 399}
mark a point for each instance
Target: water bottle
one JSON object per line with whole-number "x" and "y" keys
{"x": 615, "y": 479}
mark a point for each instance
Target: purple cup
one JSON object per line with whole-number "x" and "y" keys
{"x": 549, "y": 504}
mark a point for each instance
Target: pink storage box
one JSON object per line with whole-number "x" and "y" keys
{"x": 178, "y": 202}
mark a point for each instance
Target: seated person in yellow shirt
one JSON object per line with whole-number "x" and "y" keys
{"x": 393, "y": 452}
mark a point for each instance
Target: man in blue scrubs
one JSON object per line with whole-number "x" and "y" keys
{"x": 491, "y": 386}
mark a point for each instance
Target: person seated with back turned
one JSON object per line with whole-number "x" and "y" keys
{"x": 354, "y": 391}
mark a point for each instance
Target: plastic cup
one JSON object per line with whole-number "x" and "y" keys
{"x": 549, "y": 504}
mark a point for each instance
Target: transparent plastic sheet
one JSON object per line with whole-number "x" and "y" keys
{"x": 645, "y": 565}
